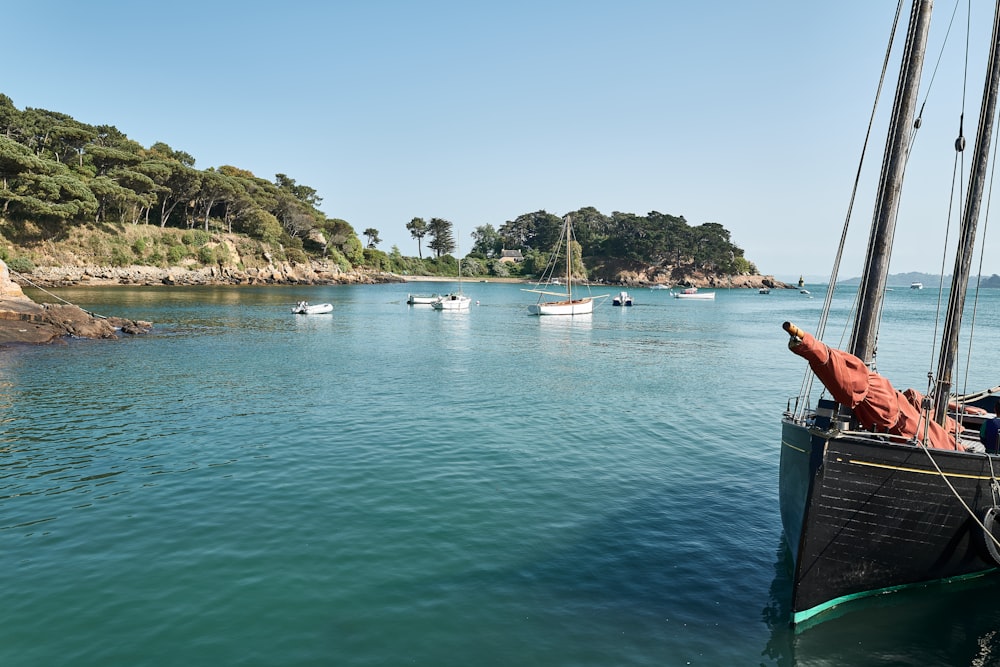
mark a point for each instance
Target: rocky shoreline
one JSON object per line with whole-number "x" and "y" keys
{"x": 24, "y": 321}
{"x": 317, "y": 273}
{"x": 285, "y": 273}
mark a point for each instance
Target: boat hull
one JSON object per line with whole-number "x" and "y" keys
{"x": 318, "y": 309}
{"x": 423, "y": 299}
{"x": 452, "y": 302}
{"x": 574, "y": 307}
{"x": 864, "y": 516}
{"x": 699, "y": 295}
{"x": 623, "y": 299}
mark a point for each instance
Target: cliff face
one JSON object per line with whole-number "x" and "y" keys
{"x": 24, "y": 321}
{"x": 696, "y": 279}
{"x": 623, "y": 272}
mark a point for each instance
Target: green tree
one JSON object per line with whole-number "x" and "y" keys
{"x": 486, "y": 241}
{"x": 538, "y": 230}
{"x": 372, "y": 235}
{"x": 442, "y": 237}
{"x": 176, "y": 183}
{"x": 302, "y": 193}
{"x": 215, "y": 188}
{"x": 712, "y": 246}
{"x": 418, "y": 229}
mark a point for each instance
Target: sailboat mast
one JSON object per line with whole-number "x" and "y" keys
{"x": 569, "y": 263}
{"x": 967, "y": 237}
{"x": 873, "y": 280}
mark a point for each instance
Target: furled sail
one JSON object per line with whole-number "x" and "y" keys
{"x": 875, "y": 403}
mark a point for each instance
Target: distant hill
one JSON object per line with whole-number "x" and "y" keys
{"x": 929, "y": 280}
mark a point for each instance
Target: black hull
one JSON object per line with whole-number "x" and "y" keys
{"x": 862, "y": 515}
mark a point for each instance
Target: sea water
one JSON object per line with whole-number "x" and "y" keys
{"x": 394, "y": 485}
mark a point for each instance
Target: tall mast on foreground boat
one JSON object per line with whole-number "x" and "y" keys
{"x": 873, "y": 279}
{"x": 967, "y": 238}
{"x": 874, "y": 494}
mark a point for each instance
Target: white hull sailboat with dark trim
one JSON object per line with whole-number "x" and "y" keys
{"x": 881, "y": 489}
{"x": 567, "y": 304}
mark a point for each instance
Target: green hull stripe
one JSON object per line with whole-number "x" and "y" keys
{"x": 800, "y": 616}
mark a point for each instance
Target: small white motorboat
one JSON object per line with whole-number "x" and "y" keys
{"x": 304, "y": 308}
{"x": 423, "y": 299}
{"x": 693, "y": 293}
{"x": 622, "y": 299}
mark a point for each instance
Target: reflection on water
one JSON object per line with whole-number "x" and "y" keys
{"x": 925, "y": 625}
{"x": 566, "y": 322}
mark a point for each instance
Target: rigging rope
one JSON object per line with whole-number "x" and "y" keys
{"x": 806, "y": 388}
{"x": 54, "y": 296}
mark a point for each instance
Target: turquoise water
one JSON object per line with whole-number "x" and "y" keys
{"x": 394, "y": 485}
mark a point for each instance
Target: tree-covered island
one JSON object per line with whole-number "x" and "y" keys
{"x": 80, "y": 201}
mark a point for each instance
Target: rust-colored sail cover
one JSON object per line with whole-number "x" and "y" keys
{"x": 877, "y": 405}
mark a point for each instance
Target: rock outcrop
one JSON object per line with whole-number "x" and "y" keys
{"x": 24, "y": 321}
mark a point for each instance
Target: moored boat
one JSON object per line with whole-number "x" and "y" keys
{"x": 880, "y": 489}
{"x": 422, "y": 299}
{"x": 621, "y": 299}
{"x": 693, "y": 293}
{"x": 305, "y": 308}
{"x": 567, "y": 303}
{"x": 455, "y": 300}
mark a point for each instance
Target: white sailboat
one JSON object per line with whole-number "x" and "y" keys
{"x": 455, "y": 300}
{"x": 566, "y": 305}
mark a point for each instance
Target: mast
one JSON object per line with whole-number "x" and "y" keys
{"x": 569, "y": 262}
{"x": 967, "y": 236}
{"x": 872, "y": 289}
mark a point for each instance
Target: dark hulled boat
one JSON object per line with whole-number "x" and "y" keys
{"x": 866, "y": 514}
{"x": 881, "y": 489}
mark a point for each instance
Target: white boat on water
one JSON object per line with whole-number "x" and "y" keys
{"x": 660, "y": 286}
{"x": 455, "y": 300}
{"x": 422, "y": 299}
{"x": 305, "y": 308}
{"x": 622, "y": 299}
{"x": 566, "y": 305}
{"x": 693, "y": 293}
{"x": 916, "y": 285}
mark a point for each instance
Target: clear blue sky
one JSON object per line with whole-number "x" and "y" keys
{"x": 749, "y": 114}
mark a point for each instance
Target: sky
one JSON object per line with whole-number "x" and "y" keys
{"x": 748, "y": 114}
